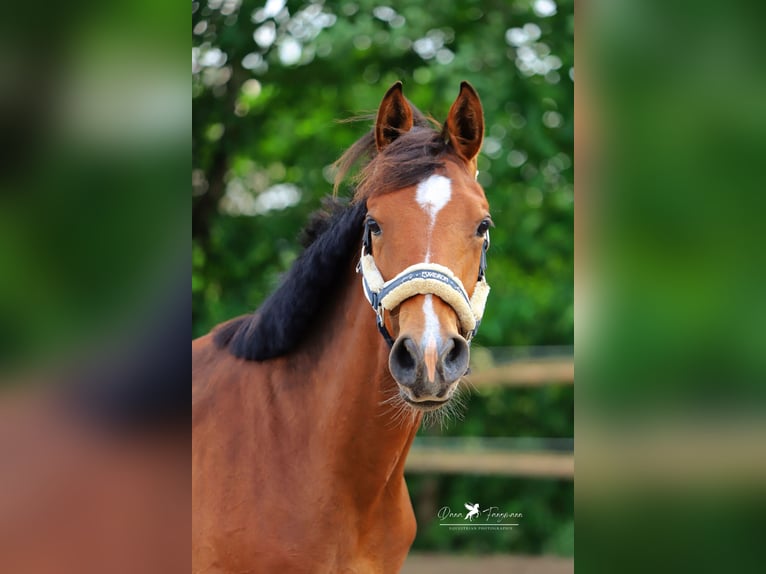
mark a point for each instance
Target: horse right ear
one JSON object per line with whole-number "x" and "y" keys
{"x": 464, "y": 128}
{"x": 394, "y": 117}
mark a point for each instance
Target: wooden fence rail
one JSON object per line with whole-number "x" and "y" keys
{"x": 527, "y": 373}
{"x": 539, "y": 464}
{"x": 533, "y": 372}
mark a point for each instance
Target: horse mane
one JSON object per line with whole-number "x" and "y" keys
{"x": 332, "y": 239}
{"x": 290, "y": 313}
{"x": 321, "y": 220}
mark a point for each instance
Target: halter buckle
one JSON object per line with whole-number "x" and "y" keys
{"x": 381, "y": 322}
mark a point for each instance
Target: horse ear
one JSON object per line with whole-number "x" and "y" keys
{"x": 394, "y": 117}
{"x": 465, "y": 123}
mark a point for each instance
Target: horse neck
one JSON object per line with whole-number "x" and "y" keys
{"x": 370, "y": 436}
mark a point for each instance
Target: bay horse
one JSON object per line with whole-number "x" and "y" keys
{"x": 303, "y": 414}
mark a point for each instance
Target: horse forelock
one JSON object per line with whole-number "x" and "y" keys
{"x": 410, "y": 158}
{"x": 290, "y": 314}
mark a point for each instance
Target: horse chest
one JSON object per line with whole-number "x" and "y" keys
{"x": 282, "y": 504}
{"x": 301, "y": 532}
{"x": 313, "y": 514}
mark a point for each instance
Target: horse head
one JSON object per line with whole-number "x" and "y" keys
{"x": 425, "y": 243}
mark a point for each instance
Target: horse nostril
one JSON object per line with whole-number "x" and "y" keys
{"x": 403, "y": 361}
{"x": 455, "y": 359}
{"x": 455, "y": 353}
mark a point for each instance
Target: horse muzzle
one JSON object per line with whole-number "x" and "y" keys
{"x": 428, "y": 374}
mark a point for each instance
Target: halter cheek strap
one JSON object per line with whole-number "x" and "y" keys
{"x": 424, "y": 279}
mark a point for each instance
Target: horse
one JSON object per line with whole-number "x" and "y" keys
{"x": 304, "y": 411}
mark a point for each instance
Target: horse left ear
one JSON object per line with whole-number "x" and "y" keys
{"x": 394, "y": 117}
{"x": 464, "y": 128}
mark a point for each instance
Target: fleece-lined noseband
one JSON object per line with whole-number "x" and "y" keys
{"x": 423, "y": 279}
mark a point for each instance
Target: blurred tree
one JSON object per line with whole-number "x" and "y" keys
{"x": 269, "y": 82}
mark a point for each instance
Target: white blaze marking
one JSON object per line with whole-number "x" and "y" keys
{"x": 431, "y": 330}
{"x": 432, "y": 195}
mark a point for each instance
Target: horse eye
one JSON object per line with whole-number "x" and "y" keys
{"x": 483, "y": 227}
{"x": 373, "y": 226}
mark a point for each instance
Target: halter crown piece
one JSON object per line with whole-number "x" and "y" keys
{"x": 423, "y": 279}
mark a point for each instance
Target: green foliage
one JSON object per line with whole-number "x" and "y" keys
{"x": 268, "y": 88}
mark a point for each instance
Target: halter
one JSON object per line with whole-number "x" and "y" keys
{"x": 423, "y": 279}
